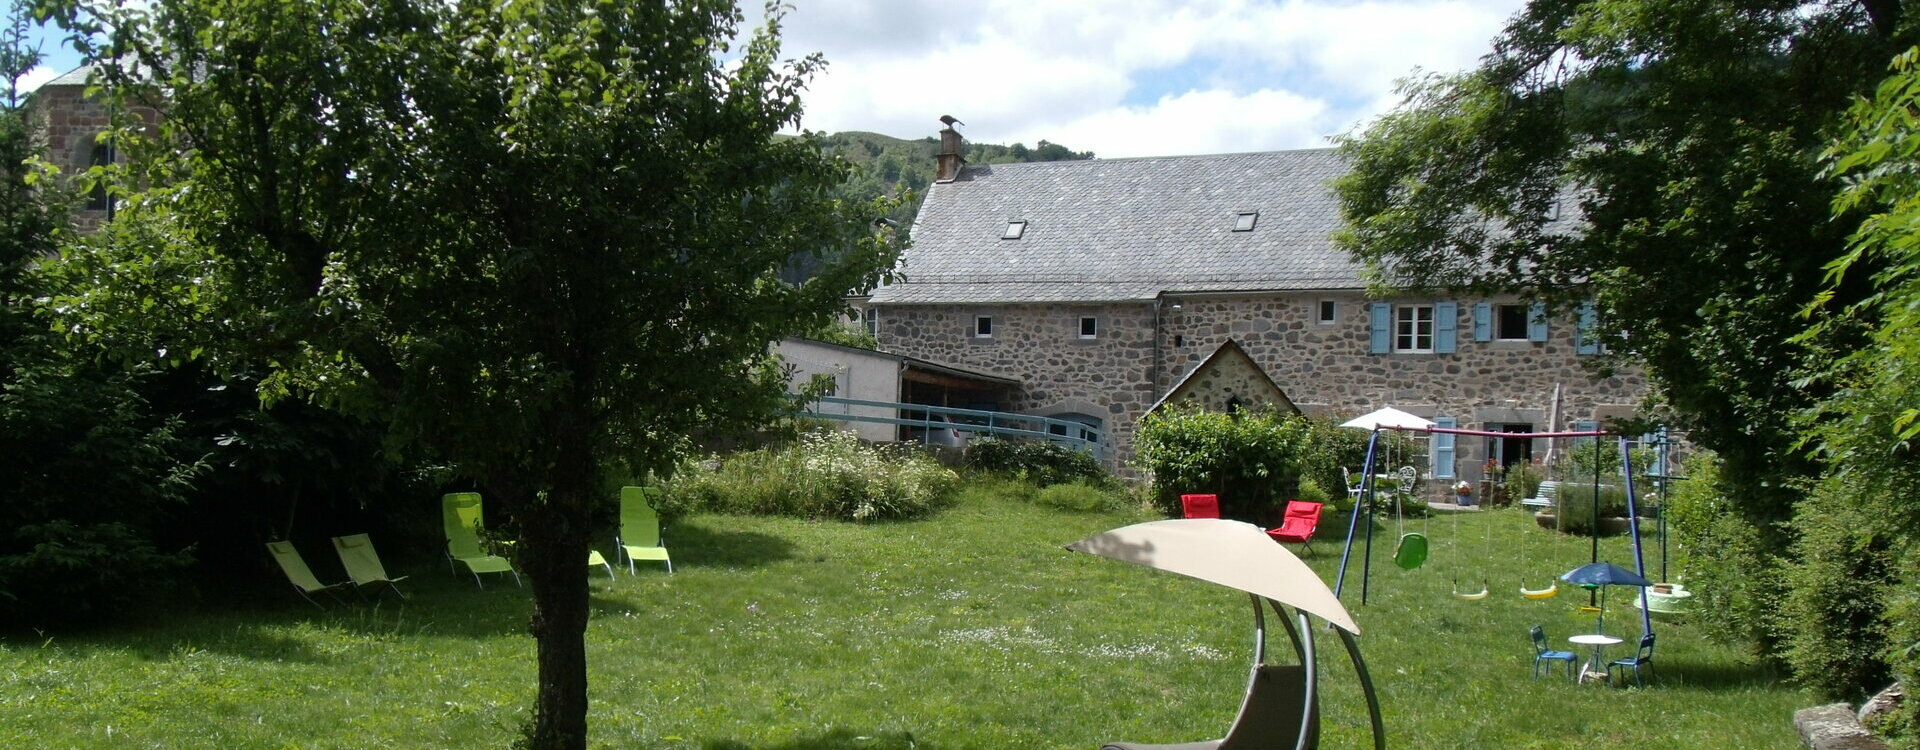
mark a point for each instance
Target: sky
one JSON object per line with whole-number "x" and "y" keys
{"x": 1120, "y": 78}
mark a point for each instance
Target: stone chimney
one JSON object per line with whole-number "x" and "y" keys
{"x": 950, "y": 160}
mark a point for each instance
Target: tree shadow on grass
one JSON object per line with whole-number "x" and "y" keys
{"x": 699, "y": 546}
{"x": 835, "y": 739}
{"x": 1683, "y": 673}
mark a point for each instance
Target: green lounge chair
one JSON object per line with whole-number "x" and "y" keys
{"x": 363, "y": 564}
{"x": 301, "y": 576}
{"x": 461, "y": 517}
{"x": 640, "y": 528}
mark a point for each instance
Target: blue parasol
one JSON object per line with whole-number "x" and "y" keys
{"x": 1604, "y": 574}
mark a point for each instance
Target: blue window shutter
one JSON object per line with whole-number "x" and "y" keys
{"x": 1381, "y": 336}
{"x": 1537, "y": 322}
{"x": 1585, "y": 340}
{"x": 1483, "y": 321}
{"x": 1443, "y": 448}
{"x": 1446, "y": 322}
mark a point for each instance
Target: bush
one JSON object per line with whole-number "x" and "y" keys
{"x": 1839, "y": 589}
{"x": 1311, "y": 492}
{"x": 1078, "y": 496}
{"x": 1252, "y": 461}
{"x": 1523, "y": 481}
{"x": 1040, "y": 462}
{"x": 1724, "y": 559}
{"x": 1574, "y": 504}
{"x": 827, "y": 474}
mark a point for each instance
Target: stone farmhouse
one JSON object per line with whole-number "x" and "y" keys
{"x": 71, "y": 127}
{"x": 1099, "y": 286}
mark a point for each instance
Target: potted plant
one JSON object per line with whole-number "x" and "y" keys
{"x": 1464, "y": 491}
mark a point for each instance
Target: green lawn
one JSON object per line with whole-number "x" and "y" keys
{"x": 972, "y": 629}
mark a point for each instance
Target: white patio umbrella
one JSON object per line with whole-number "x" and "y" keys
{"x": 1388, "y": 417}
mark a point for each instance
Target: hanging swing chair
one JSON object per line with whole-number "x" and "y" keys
{"x": 1487, "y": 546}
{"x": 1411, "y": 552}
{"x": 1553, "y": 585}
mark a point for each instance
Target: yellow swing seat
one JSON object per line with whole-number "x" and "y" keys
{"x": 1546, "y": 593}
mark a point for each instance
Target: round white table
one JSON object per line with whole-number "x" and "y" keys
{"x": 1596, "y": 666}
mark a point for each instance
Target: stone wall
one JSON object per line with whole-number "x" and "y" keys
{"x": 1143, "y": 349}
{"x": 68, "y": 125}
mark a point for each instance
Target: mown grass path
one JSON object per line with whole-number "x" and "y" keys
{"x": 971, "y": 629}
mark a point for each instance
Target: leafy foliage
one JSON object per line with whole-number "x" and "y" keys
{"x": 539, "y": 240}
{"x": 92, "y": 468}
{"x": 895, "y": 167}
{"x": 827, "y": 474}
{"x": 1737, "y": 583}
{"x": 1659, "y": 158}
{"x": 1253, "y": 461}
{"x": 1856, "y": 565}
{"x": 1040, "y": 462}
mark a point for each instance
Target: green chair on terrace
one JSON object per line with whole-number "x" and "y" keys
{"x": 363, "y": 564}
{"x": 301, "y": 576}
{"x": 640, "y": 528}
{"x": 461, "y": 517}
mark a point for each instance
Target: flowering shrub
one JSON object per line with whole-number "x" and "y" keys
{"x": 826, "y": 474}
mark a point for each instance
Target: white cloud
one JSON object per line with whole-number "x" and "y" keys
{"x": 32, "y": 80}
{"x": 1235, "y": 75}
{"x": 1198, "y": 122}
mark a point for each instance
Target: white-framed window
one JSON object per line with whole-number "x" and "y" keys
{"x": 1413, "y": 328}
{"x": 1089, "y": 327}
{"x": 1327, "y": 312}
{"x": 983, "y": 326}
{"x": 870, "y": 318}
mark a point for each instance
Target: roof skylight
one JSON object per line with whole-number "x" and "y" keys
{"x": 1014, "y": 230}
{"x": 1245, "y": 221}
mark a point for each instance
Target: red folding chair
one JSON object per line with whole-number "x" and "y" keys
{"x": 1301, "y": 519}
{"x": 1200, "y": 506}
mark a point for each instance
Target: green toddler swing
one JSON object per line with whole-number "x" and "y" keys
{"x": 1411, "y": 552}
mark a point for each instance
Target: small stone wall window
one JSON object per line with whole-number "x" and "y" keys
{"x": 101, "y": 156}
{"x": 983, "y": 326}
{"x": 1327, "y": 312}
{"x": 1089, "y": 327}
{"x": 871, "y": 319}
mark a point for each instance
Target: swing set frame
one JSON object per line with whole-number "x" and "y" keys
{"x": 1367, "y": 504}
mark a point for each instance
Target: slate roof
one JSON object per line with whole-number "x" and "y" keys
{"x": 1108, "y": 230}
{"x": 76, "y": 77}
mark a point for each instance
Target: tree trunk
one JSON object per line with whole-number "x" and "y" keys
{"x": 554, "y": 539}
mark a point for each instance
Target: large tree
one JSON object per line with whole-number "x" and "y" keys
{"x": 1660, "y": 158}
{"x": 539, "y": 238}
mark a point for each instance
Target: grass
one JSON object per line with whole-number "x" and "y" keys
{"x": 972, "y": 629}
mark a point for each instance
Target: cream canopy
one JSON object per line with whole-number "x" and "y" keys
{"x": 1230, "y": 553}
